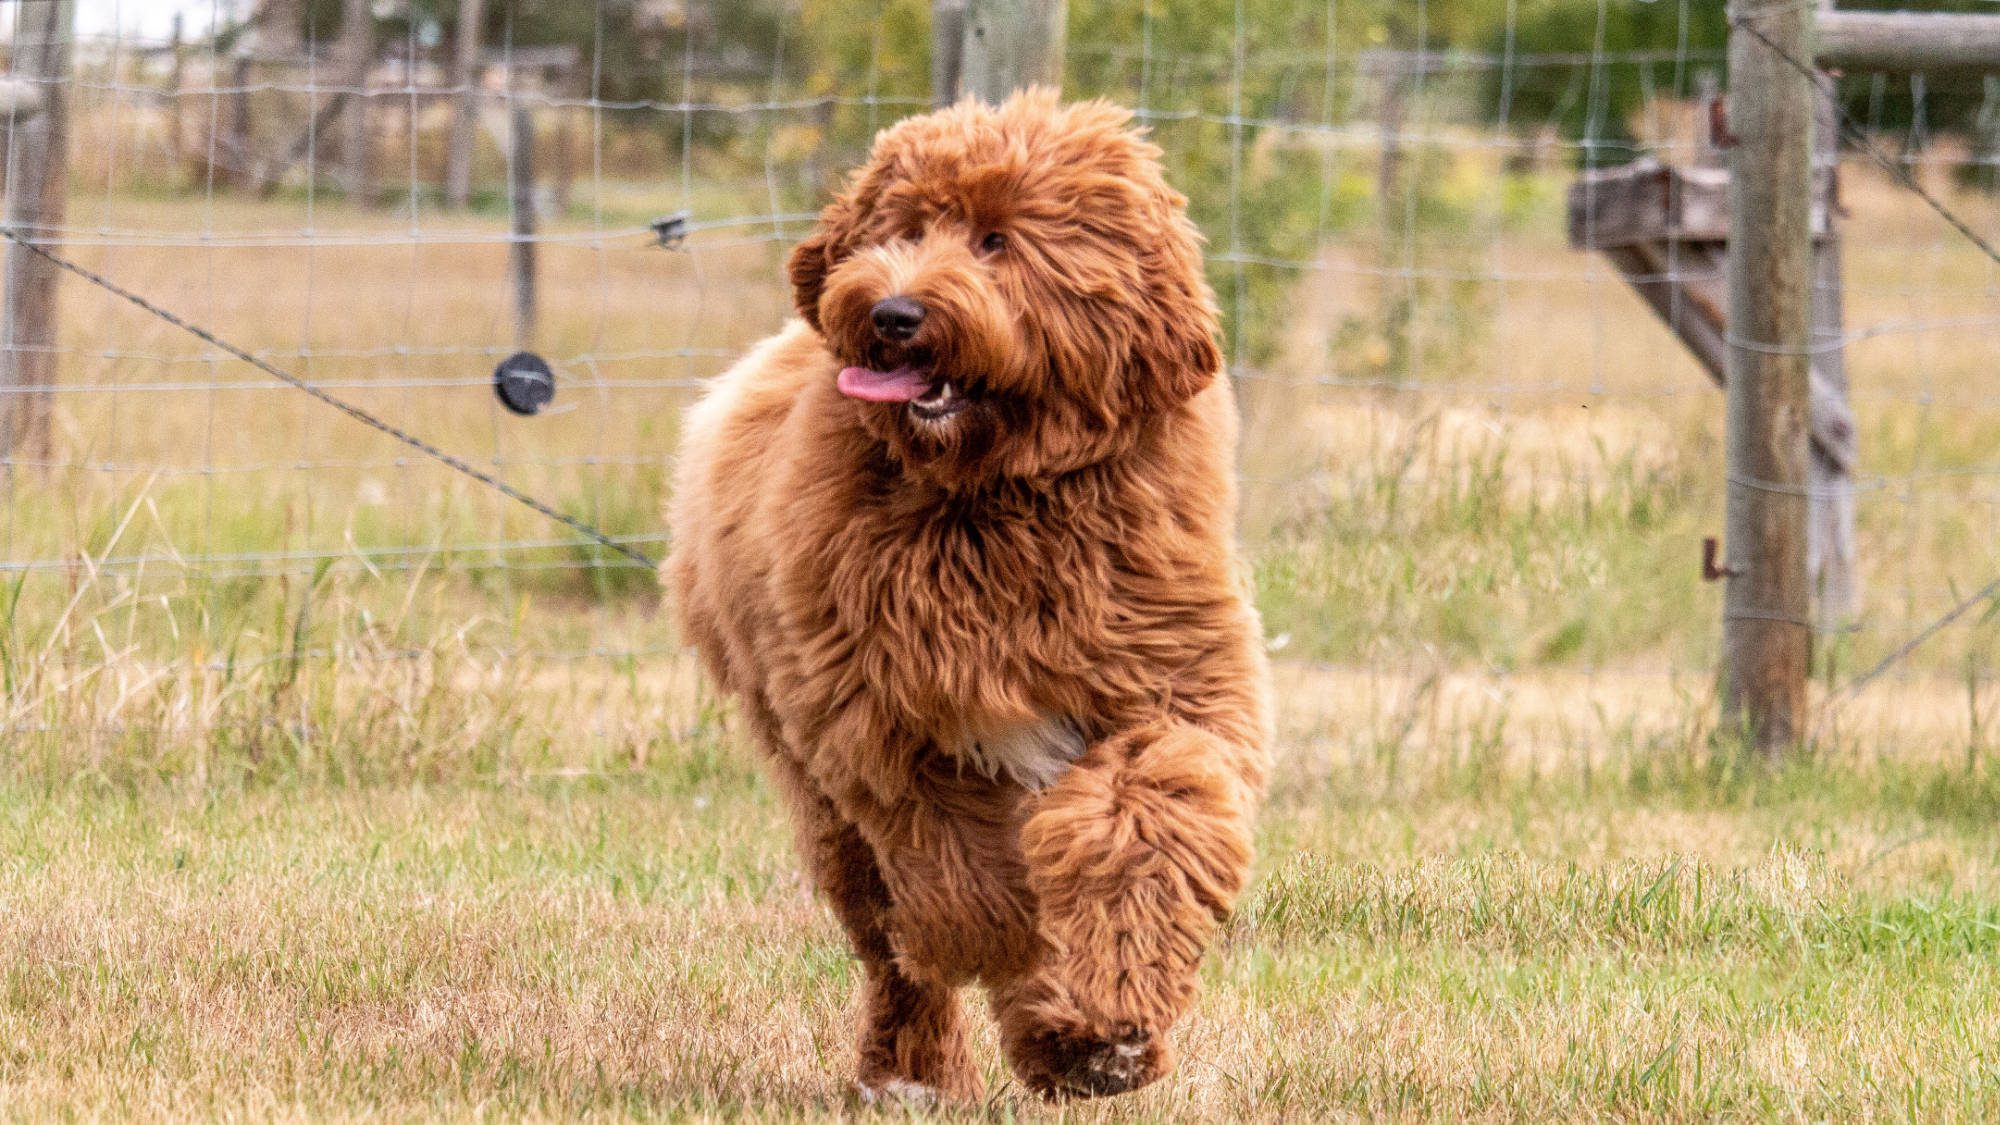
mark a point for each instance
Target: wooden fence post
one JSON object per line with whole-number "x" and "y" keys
{"x": 176, "y": 80}
{"x": 37, "y": 190}
{"x": 280, "y": 26}
{"x": 947, "y": 50}
{"x": 356, "y": 47}
{"x": 238, "y": 148}
{"x": 1392, "y": 85}
{"x": 521, "y": 193}
{"x": 1830, "y": 553}
{"x": 562, "y": 145}
{"x": 465, "y": 105}
{"x": 1003, "y": 45}
{"x": 1767, "y": 635}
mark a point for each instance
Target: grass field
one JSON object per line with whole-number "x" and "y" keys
{"x": 324, "y": 797}
{"x": 1444, "y": 924}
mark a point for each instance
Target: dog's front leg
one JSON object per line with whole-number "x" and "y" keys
{"x": 1135, "y": 857}
{"x": 911, "y": 1042}
{"x": 945, "y": 840}
{"x": 961, "y": 905}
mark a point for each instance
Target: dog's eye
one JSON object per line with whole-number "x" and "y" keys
{"x": 993, "y": 243}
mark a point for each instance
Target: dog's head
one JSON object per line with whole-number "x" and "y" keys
{"x": 1010, "y": 291}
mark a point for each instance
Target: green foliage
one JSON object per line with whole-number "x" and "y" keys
{"x": 1466, "y": 563}
{"x": 1665, "y": 45}
{"x": 1586, "y": 66}
{"x": 1211, "y": 81}
{"x": 1593, "y": 102}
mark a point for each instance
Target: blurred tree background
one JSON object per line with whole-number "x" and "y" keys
{"x": 1285, "y": 121}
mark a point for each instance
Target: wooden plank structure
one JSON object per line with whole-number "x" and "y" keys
{"x": 1666, "y": 230}
{"x": 1669, "y": 232}
{"x": 1908, "y": 41}
{"x": 1745, "y": 269}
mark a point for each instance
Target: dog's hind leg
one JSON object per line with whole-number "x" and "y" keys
{"x": 911, "y": 1039}
{"x": 1135, "y": 856}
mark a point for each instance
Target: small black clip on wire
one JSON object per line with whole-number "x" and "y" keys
{"x": 671, "y": 230}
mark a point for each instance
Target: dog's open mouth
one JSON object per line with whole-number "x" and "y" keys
{"x": 927, "y": 395}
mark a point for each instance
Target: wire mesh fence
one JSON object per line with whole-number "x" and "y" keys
{"x": 1470, "y": 450}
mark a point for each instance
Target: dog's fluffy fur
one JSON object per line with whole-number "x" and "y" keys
{"x": 1001, "y": 662}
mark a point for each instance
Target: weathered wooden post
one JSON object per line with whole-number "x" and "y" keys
{"x": 1767, "y": 631}
{"x": 1392, "y": 90}
{"x": 1671, "y": 232}
{"x": 465, "y": 105}
{"x": 999, "y": 47}
{"x": 280, "y": 27}
{"x": 562, "y": 145}
{"x": 237, "y": 148}
{"x": 947, "y": 50}
{"x": 356, "y": 47}
{"x": 176, "y": 80}
{"x": 1396, "y": 74}
{"x": 521, "y": 194}
{"x": 1882, "y": 41}
{"x": 1830, "y": 556}
{"x": 1909, "y": 41}
{"x": 37, "y": 190}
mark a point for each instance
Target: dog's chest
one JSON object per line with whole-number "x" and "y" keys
{"x": 980, "y": 634}
{"x": 970, "y": 596}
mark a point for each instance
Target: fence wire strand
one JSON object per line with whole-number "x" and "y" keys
{"x": 1383, "y": 207}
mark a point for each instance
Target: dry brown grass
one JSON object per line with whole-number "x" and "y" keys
{"x": 1547, "y": 929}
{"x": 427, "y": 835}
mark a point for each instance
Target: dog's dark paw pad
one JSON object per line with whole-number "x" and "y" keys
{"x": 1091, "y": 1068}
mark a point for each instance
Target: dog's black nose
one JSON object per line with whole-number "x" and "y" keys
{"x": 897, "y": 318}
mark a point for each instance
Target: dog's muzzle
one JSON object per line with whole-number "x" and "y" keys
{"x": 928, "y": 396}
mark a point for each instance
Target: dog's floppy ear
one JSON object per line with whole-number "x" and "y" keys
{"x": 830, "y": 241}
{"x": 1174, "y": 355}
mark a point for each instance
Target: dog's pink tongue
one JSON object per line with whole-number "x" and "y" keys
{"x": 901, "y": 385}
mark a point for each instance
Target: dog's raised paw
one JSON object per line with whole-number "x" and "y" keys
{"x": 1087, "y": 1067}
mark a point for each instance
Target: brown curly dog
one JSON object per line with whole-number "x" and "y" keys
{"x": 960, "y": 544}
